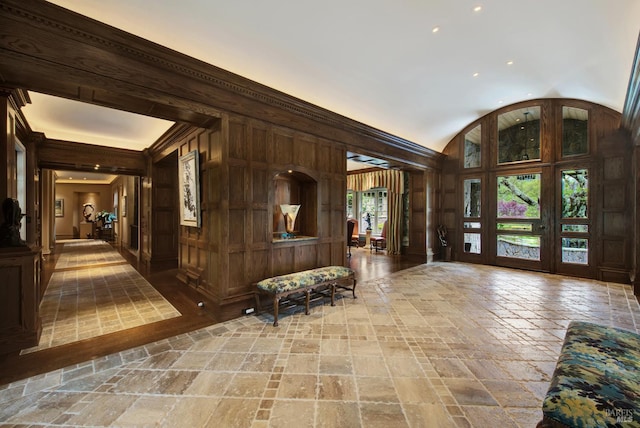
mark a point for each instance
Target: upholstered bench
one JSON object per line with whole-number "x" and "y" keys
{"x": 331, "y": 277}
{"x": 596, "y": 382}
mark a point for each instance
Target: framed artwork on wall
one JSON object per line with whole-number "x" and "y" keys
{"x": 59, "y": 207}
{"x": 189, "y": 190}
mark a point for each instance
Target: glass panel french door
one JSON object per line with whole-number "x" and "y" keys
{"x": 521, "y": 233}
{"x": 573, "y": 234}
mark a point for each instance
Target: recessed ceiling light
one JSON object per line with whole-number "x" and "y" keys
{"x": 477, "y": 8}
{"x": 510, "y": 62}
{"x": 500, "y": 101}
{"x": 84, "y": 178}
{"x": 476, "y": 74}
{"x": 435, "y": 29}
{"x": 70, "y": 178}
{"x": 529, "y": 94}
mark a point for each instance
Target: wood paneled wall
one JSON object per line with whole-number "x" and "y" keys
{"x": 614, "y": 203}
{"x": 164, "y": 214}
{"x": 242, "y": 163}
{"x": 424, "y": 201}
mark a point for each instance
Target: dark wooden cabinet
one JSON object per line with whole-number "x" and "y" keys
{"x": 20, "y": 324}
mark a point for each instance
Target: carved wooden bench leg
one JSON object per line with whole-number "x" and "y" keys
{"x": 333, "y": 293}
{"x": 276, "y": 303}
{"x": 256, "y": 296}
{"x": 307, "y": 297}
{"x": 346, "y": 287}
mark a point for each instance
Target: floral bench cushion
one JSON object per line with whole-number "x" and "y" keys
{"x": 307, "y": 278}
{"x": 596, "y": 382}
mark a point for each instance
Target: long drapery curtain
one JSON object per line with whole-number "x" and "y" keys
{"x": 393, "y": 182}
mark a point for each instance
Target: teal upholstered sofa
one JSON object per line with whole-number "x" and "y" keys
{"x": 596, "y": 382}
{"x": 306, "y": 282}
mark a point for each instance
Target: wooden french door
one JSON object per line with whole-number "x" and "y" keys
{"x": 574, "y": 225}
{"x": 521, "y": 211}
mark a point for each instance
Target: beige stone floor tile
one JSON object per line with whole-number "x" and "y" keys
{"x": 489, "y": 416}
{"x": 365, "y": 347}
{"x": 450, "y": 368}
{"x": 511, "y": 394}
{"x": 191, "y": 412}
{"x": 233, "y": 413}
{"x": 288, "y": 413}
{"x": 336, "y": 364}
{"x": 267, "y": 345}
{"x": 334, "y": 347}
{"x": 413, "y": 390}
{"x": 256, "y": 362}
{"x": 146, "y": 411}
{"x": 486, "y": 369}
{"x": 45, "y": 409}
{"x": 305, "y": 346}
{"x": 432, "y": 415}
{"x": 370, "y": 366}
{"x": 376, "y": 389}
{"x": 173, "y": 382}
{"x": 382, "y": 415}
{"x": 209, "y": 383}
{"x": 332, "y": 414}
{"x": 404, "y": 367}
{"x": 469, "y": 392}
{"x": 193, "y": 360}
{"x": 136, "y": 382}
{"x": 249, "y": 385}
{"x": 226, "y": 362}
{"x": 102, "y": 410}
{"x": 337, "y": 388}
{"x": 302, "y": 363}
{"x": 298, "y": 386}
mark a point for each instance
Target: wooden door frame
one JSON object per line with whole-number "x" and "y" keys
{"x": 567, "y": 268}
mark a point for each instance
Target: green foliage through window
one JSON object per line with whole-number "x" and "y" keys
{"x": 575, "y": 193}
{"x": 519, "y": 196}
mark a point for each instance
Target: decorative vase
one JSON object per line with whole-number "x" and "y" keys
{"x": 290, "y": 213}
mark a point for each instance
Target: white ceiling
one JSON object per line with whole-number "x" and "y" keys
{"x": 82, "y": 177}
{"x": 376, "y": 61}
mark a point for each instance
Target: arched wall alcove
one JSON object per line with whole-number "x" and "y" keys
{"x": 296, "y": 188}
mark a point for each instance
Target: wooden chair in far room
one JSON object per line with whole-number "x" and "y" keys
{"x": 352, "y": 234}
{"x": 380, "y": 242}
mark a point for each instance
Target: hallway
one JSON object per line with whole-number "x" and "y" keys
{"x": 94, "y": 291}
{"x": 439, "y": 345}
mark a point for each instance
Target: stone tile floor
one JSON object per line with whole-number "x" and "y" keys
{"x": 83, "y": 253}
{"x": 438, "y": 345}
{"x": 85, "y": 298}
